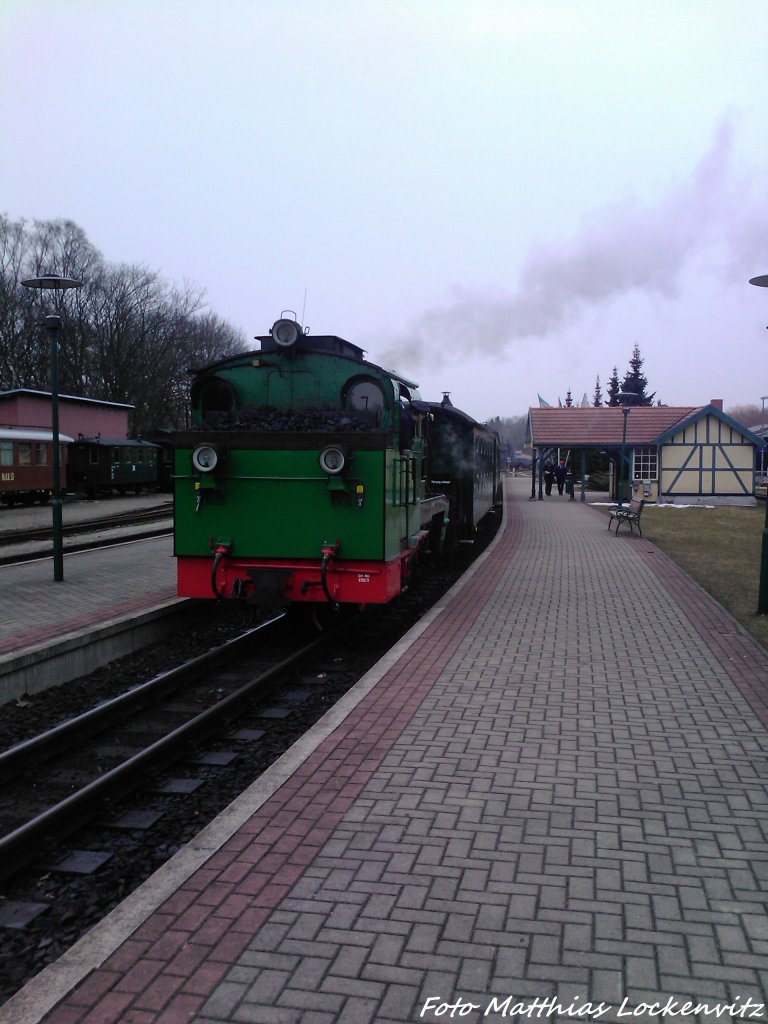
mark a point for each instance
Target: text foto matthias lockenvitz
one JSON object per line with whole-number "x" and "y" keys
{"x": 500, "y": 1007}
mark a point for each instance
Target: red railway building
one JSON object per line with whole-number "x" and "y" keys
{"x": 90, "y": 417}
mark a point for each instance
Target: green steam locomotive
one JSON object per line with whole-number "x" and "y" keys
{"x": 313, "y": 475}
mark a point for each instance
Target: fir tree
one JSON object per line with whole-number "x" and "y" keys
{"x": 635, "y": 382}
{"x": 597, "y": 398}
{"x": 614, "y": 387}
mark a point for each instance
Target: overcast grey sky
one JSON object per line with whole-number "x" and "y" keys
{"x": 496, "y": 198}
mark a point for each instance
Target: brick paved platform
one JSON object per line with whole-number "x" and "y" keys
{"x": 554, "y": 789}
{"x": 98, "y": 586}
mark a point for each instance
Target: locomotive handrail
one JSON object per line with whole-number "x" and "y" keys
{"x": 274, "y": 479}
{"x": 307, "y": 440}
{"x": 405, "y": 482}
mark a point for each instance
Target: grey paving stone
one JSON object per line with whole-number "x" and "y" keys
{"x": 358, "y": 1010}
{"x": 313, "y": 1001}
{"x": 225, "y": 999}
{"x": 399, "y": 974}
{"x": 266, "y": 987}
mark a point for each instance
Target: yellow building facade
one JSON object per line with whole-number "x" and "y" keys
{"x": 708, "y": 457}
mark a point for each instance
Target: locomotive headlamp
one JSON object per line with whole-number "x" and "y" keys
{"x": 285, "y": 332}
{"x": 333, "y": 459}
{"x": 205, "y": 458}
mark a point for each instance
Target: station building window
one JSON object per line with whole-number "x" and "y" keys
{"x": 646, "y": 464}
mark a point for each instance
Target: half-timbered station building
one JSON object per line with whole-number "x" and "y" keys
{"x": 681, "y": 454}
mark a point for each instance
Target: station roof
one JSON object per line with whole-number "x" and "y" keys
{"x": 32, "y": 393}
{"x": 31, "y": 434}
{"x": 604, "y": 427}
{"x": 115, "y": 442}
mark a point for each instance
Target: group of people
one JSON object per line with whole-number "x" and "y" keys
{"x": 554, "y": 474}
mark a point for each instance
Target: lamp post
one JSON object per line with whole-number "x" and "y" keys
{"x": 52, "y": 324}
{"x": 762, "y": 598}
{"x": 622, "y": 395}
{"x": 763, "y": 399}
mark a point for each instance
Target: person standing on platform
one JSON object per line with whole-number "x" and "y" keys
{"x": 549, "y": 476}
{"x": 560, "y": 474}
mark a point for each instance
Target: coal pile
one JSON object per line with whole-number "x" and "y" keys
{"x": 299, "y": 420}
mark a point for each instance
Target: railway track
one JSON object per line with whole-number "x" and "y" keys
{"x": 58, "y": 781}
{"x": 116, "y": 520}
{"x": 21, "y": 546}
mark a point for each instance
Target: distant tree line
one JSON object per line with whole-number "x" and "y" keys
{"x": 512, "y": 433}
{"x": 127, "y": 335}
{"x": 749, "y": 415}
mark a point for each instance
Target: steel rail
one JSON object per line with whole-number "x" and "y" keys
{"x": 115, "y": 520}
{"x": 45, "y": 745}
{"x": 17, "y": 848}
{"x": 114, "y": 541}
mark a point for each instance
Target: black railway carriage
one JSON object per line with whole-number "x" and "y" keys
{"x": 463, "y": 461}
{"x": 26, "y": 464}
{"x": 99, "y": 465}
{"x": 163, "y": 438}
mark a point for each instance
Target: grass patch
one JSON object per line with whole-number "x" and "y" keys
{"x": 720, "y": 548}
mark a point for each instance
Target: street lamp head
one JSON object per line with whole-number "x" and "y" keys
{"x": 52, "y": 282}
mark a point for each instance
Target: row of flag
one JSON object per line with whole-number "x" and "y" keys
{"x": 584, "y": 404}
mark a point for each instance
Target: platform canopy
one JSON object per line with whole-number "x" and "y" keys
{"x": 603, "y": 427}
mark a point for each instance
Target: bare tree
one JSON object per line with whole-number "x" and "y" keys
{"x": 61, "y": 247}
{"x": 128, "y": 335}
{"x": 748, "y": 415}
{"x": 19, "y": 355}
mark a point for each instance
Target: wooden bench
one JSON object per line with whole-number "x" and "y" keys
{"x": 630, "y": 513}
